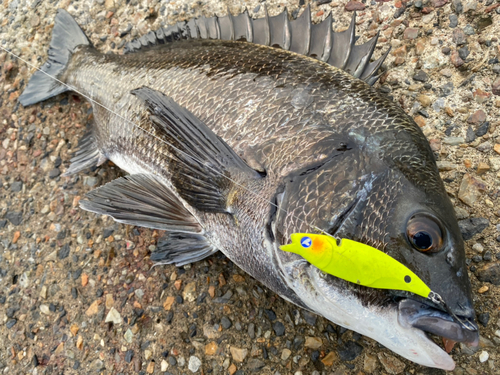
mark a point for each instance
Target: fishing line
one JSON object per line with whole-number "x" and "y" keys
{"x": 165, "y": 142}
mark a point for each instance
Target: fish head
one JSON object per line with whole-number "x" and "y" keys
{"x": 408, "y": 217}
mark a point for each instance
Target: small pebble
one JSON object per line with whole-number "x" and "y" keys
{"x": 483, "y": 357}
{"x": 194, "y": 364}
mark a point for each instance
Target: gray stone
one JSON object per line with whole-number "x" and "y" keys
{"x": 470, "y": 136}
{"x": 16, "y": 186}
{"x": 279, "y": 328}
{"x": 225, "y": 298}
{"x": 349, "y": 351}
{"x": 489, "y": 273}
{"x": 453, "y": 141}
{"x": 226, "y": 322}
{"x": 15, "y": 217}
{"x": 420, "y": 76}
{"x": 255, "y": 364}
{"x": 96, "y": 365}
{"x": 444, "y": 165}
{"x": 485, "y": 147}
{"x": 251, "y": 330}
{"x": 129, "y": 354}
{"x": 446, "y": 90}
{"x": 309, "y": 317}
{"x": 453, "y": 21}
{"x": 107, "y": 232}
{"x": 54, "y": 173}
{"x": 469, "y": 30}
{"x": 472, "y": 226}
{"x": 63, "y": 252}
{"x": 457, "y": 6}
{"x": 172, "y": 361}
{"x": 90, "y": 181}
{"x": 463, "y": 52}
{"x": 483, "y": 129}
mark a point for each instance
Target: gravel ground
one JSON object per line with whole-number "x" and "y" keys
{"x": 78, "y": 293}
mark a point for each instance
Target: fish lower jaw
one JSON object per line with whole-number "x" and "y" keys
{"x": 378, "y": 323}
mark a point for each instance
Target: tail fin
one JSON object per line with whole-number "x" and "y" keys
{"x": 66, "y": 36}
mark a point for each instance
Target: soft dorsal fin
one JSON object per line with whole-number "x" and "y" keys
{"x": 300, "y": 36}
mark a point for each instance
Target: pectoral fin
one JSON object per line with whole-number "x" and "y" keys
{"x": 141, "y": 200}
{"x": 205, "y": 170}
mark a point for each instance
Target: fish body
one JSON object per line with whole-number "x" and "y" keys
{"x": 234, "y": 145}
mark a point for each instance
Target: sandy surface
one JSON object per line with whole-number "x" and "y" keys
{"x": 64, "y": 272}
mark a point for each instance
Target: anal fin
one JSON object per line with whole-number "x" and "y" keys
{"x": 88, "y": 155}
{"x": 142, "y": 200}
{"x": 181, "y": 249}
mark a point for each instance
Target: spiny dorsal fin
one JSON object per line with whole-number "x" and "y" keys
{"x": 301, "y": 33}
{"x": 277, "y": 26}
{"x": 227, "y": 26}
{"x": 321, "y": 39}
{"x": 360, "y": 57}
{"x": 300, "y": 36}
{"x": 342, "y": 45}
{"x": 243, "y": 27}
{"x": 370, "y": 74}
{"x": 261, "y": 29}
{"x": 193, "y": 29}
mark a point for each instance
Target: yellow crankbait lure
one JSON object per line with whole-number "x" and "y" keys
{"x": 356, "y": 262}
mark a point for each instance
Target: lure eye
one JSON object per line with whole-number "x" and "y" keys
{"x": 424, "y": 233}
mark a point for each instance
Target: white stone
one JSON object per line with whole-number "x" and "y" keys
{"x": 113, "y": 316}
{"x": 164, "y": 366}
{"x": 478, "y": 247}
{"x": 483, "y": 357}
{"x": 495, "y": 163}
{"x": 285, "y": 354}
{"x": 129, "y": 336}
{"x": 45, "y": 309}
{"x": 194, "y": 364}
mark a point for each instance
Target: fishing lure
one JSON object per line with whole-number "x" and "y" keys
{"x": 364, "y": 265}
{"x": 356, "y": 262}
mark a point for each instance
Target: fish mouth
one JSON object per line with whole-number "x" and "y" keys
{"x": 428, "y": 319}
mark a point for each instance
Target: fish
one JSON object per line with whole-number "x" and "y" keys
{"x": 237, "y": 133}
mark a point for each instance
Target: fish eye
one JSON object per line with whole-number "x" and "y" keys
{"x": 424, "y": 233}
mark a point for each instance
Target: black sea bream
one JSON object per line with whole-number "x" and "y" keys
{"x": 237, "y": 133}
